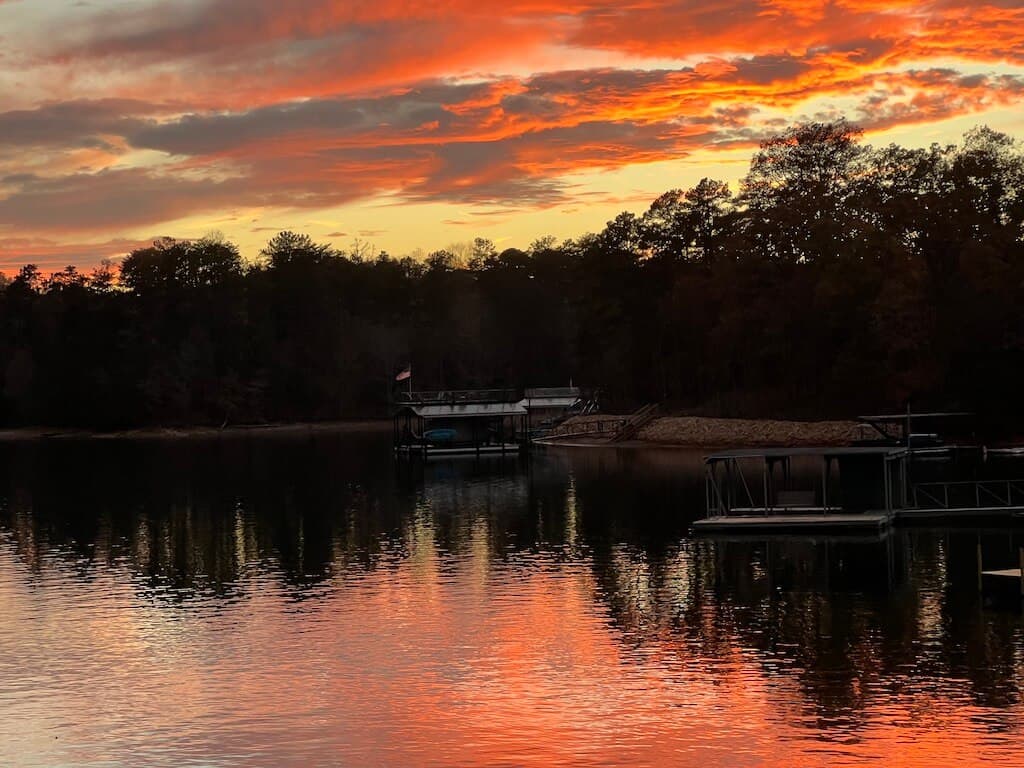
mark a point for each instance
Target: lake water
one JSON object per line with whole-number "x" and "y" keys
{"x": 308, "y": 602}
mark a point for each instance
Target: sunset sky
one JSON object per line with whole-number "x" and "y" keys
{"x": 413, "y": 125}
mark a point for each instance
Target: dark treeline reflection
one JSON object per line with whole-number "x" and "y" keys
{"x": 197, "y": 513}
{"x": 837, "y": 277}
{"x": 852, "y": 621}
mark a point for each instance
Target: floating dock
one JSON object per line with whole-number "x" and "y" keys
{"x": 861, "y": 523}
{"x": 756, "y": 490}
{"x": 855, "y": 489}
{"x": 435, "y": 451}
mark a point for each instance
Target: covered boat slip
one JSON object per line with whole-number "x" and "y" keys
{"x": 856, "y": 488}
{"x": 460, "y": 423}
{"x": 801, "y": 489}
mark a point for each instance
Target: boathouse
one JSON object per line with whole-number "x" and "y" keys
{"x": 548, "y": 406}
{"x": 460, "y": 422}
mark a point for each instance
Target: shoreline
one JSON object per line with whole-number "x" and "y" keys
{"x": 696, "y": 432}
{"x": 714, "y": 433}
{"x": 294, "y": 429}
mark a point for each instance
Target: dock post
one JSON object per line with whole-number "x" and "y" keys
{"x": 905, "y": 475}
{"x": 824, "y": 483}
{"x": 887, "y": 485}
{"x": 707, "y": 491}
{"x": 728, "y": 485}
{"x": 980, "y": 587}
{"x": 764, "y": 482}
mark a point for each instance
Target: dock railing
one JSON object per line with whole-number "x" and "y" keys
{"x": 591, "y": 428}
{"x": 968, "y": 494}
{"x": 614, "y": 428}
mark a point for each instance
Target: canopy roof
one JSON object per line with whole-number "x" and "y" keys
{"x": 452, "y": 396}
{"x": 900, "y": 418}
{"x": 549, "y": 402}
{"x": 822, "y": 451}
{"x": 540, "y": 393}
{"x": 465, "y": 410}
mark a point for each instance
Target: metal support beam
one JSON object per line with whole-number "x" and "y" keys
{"x": 824, "y": 482}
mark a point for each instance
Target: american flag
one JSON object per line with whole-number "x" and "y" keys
{"x": 405, "y": 373}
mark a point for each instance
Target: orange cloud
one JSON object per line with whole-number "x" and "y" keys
{"x": 141, "y": 115}
{"x": 52, "y": 256}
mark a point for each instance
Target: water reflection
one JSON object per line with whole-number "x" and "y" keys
{"x": 304, "y": 602}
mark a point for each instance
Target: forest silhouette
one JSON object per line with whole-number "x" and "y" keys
{"x": 838, "y": 277}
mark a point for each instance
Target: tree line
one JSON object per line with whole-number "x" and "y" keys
{"x": 838, "y": 277}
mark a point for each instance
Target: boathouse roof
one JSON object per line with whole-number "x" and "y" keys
{"x": 829, "y": 451}
{"x": 454, "y": 396}
{"x": 548, "y": 402}
{"x": 550, "y": 397}
{"x": 542, "y": 393}
{"x": 465, "y": 410}
{"x": 900, "y": 418}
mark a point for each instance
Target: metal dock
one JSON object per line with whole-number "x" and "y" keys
{"x": 757, "y": 490}
{"x": 851, "y": 489}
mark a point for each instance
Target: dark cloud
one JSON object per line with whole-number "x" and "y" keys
{"x": 770, "y": 68}
{"x": 217, "y": 133}
{"x": 111, "y": 200}
{"x": 73, "y": 124}
{"x": 321, "y": 153}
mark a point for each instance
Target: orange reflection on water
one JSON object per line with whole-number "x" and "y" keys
{"x": 430, "y": 659}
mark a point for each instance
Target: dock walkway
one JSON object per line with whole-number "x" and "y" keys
{"x": 866, "y": 521}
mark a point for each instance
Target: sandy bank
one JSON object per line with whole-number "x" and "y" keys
{"x": 198, "y": 433}
{"x": 698, "y": 431}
